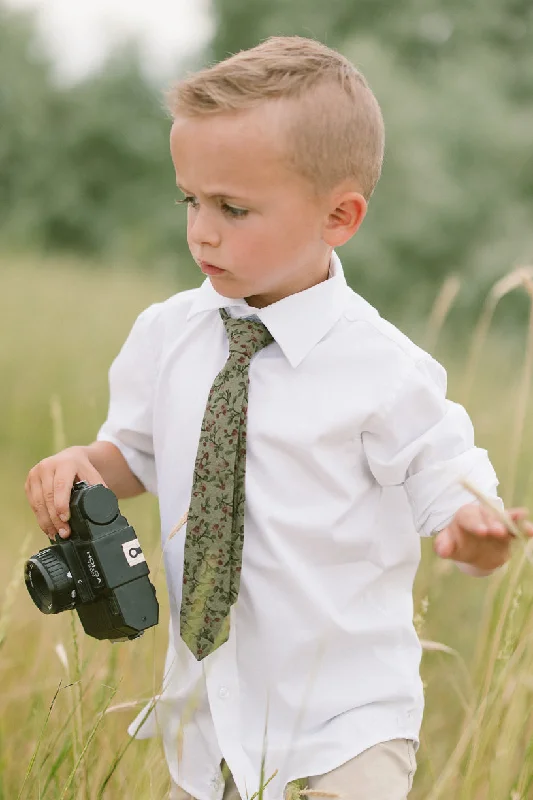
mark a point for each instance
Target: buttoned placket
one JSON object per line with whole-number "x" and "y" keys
{"x": 222, "y": 686}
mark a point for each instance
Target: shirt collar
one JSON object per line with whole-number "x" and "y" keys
{"x": 297, "y": 322}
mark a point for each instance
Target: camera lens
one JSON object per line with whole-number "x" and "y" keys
{"x": 49, "y": 582}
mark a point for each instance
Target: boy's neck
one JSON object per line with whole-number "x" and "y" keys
{"x": 261, "y": 301}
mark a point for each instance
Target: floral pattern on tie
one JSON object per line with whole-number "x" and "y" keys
{"x": 215, "y": 524}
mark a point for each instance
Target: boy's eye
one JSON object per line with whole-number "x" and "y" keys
{"x": 232, "y": 211}
{"x": 189, "y": 201}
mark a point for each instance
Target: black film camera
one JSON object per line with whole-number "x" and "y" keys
{"x": 100, "y": 570}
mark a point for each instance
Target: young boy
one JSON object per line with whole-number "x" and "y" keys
{"x": 309, "y": 467}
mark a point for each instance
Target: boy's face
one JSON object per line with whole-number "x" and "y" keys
{"x": 248, "y": 214}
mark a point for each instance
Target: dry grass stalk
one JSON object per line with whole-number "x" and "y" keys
{"x": 476, "y": 731}
{"x": 121, "y": 753}
{"x": 513, "y": 280}
{"x": 127, "y": 705}
{"x": 495, "y": 644}
{"x": 432, "y": 646}
{"x": 489, "y": 728}
{"x": 178, "y": 526}
{"x": 12, "y": 588}
{"x": 441, "y": 308}
{"x": 438, "y": 646}
{"x": 508, "y": 283}
{"x": 480, "y": 334}
{"x": 37, "y": 746}
{"x": 472, "y": 727}
{"x": 81, "y": 758}
{"x": 62, "y": 656}
{"x": 522, "y": 398}
{"x": 76, "y": 703}
{"x": 58, "y": 423}
{"x": 515, "y": 530}
{"x": 82, "y": 779}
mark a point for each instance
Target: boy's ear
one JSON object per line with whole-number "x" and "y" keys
{"x": 345, "y": 215}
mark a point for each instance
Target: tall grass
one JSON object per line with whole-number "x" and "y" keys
{"x": 60, "y": 738}
{"x": 61, "y": 327}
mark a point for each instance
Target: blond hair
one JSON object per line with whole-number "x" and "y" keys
{"x": 336, "y": 131}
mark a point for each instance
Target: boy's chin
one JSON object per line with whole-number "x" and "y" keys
{"x": 222, "y": 287}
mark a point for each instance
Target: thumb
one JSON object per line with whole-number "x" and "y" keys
{"x": 445, "y": 545}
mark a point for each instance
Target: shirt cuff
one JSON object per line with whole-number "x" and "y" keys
{"x": 436, "y": 493}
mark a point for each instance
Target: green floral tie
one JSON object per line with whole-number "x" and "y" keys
{"x": 215, "y": 524}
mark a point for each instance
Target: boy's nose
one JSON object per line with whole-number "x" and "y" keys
{"x": 202, "y": 230}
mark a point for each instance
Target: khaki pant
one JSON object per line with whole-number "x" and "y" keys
{"x": 383, "y": 772}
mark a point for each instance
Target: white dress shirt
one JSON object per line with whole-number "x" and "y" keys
{"x": 353, "y": 452}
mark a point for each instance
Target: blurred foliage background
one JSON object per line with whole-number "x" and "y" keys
{"x": 85, "y": 169}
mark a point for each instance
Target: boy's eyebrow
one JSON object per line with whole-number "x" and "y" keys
{"x": 212, "y": 194}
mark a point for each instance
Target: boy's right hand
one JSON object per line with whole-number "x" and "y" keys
{"x": 49, "y": 484}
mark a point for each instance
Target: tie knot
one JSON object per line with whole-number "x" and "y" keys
{"x": 246, "y": 336}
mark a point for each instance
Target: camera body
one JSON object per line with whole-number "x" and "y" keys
{"x": 100, "y": 570}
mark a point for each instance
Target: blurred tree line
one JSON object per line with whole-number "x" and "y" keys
{"x": 86, "y": 168}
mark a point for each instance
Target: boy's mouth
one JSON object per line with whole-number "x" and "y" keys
{"x": 210, "y": 269}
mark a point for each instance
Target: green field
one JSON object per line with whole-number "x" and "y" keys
{"x": 61, "y": 327}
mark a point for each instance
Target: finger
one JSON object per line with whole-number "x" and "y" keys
{"x": 63, "y": 480}
{"x": 47, "y": 481}
{"x": 493, "y": 524}
{"x": 455, "y": 543}
{"x": 520, "y": 515}
{"x": 471, "y": 518}
{"x": 479, "y": 520}
{"x": 36, "y": 498}
{"x": 445, "y": 544}
{"x": 86, "y": 472}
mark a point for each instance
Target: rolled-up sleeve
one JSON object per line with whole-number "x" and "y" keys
{"x": 426, "y": 442}
{"x": 132, "y": 376}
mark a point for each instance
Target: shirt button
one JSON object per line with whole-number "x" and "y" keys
{"x": 223, "y": 692}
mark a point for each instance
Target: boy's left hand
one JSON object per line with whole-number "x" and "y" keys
{"x": 476, "y": 536}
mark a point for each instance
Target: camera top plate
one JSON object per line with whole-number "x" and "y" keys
{"x": 97, "y": 503}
